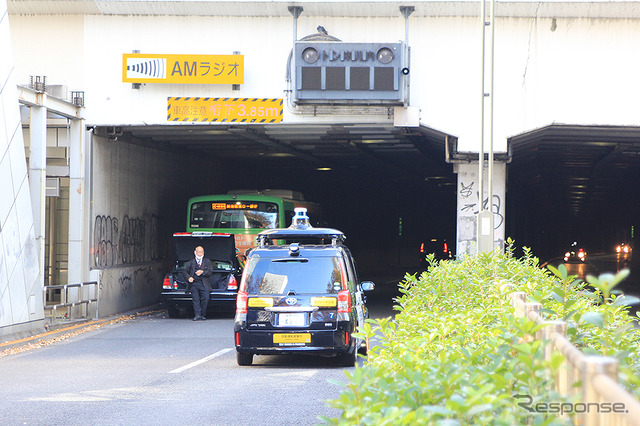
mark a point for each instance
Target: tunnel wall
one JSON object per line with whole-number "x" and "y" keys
{"x": 129, "y": 226}
{"x": 139, "y": 195}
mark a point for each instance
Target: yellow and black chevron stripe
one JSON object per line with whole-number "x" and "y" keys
{"x": 225, "y": 110}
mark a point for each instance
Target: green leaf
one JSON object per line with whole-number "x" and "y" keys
{"x": 626, "y": 301}
{"x": 558, "y": 298}
{"x": 594, "y": 318}
{"x": 555, "y": 271}
{"x": 547, "y": 311}
{"x": 570, "y": 314}
{"x": 526, "y": 360}
{"x": 479, "y": 409}
{"x": 437, "y": 409}
{"x": 499, "y": 380}
{"x": 622, "y": 275}
{"x": 557, "y": 359}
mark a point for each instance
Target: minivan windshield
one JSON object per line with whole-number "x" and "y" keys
{"x": 299, "y": 275}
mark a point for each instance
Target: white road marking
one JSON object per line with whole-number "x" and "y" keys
{"x": 305, "y": 374}
{"x": 98, "y": 395}
{"x": 201, "y": 361}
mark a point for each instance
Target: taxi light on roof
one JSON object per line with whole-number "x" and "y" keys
{"x": 300, "y": 219}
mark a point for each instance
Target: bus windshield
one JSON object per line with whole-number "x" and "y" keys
{"x": 233, "y": 214}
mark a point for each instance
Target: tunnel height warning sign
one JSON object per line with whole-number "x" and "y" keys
{"x": 182, "y": 69}
{"x": 230, "y": 110}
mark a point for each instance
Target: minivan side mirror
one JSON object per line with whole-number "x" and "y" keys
{"x": 368, "y": 285}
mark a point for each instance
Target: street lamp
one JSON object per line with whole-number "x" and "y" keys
{"x": 485, "y": 217}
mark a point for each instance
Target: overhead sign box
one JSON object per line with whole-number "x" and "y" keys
{"x": 350, "y": 72}
{"x": 229, "y": 110}
{"x": 182, "y": 69}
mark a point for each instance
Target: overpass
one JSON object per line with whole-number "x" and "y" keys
{"x": 122, "y": 157}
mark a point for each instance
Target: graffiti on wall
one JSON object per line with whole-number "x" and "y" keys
{"x": 140, "y": 276}
{"x": 127, "y": 241}
{"x": 471, "y": 205}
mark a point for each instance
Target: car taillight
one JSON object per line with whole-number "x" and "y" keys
{"x": 233, "y": 283}
{"x": 446, "y": 248}
{"x": 166, "y": 284}
{"x": 241, "y": 302}
{"x": 344, "y": 301}
{"x": 422, "y": 248}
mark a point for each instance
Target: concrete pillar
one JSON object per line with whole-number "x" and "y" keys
{"x": 468, "y": 207}
{"x": 78, "y": 241}
{"x": 38, "y": 174}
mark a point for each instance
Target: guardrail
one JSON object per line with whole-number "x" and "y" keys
{"x": 597, "y": 375}
{"x": 80, "y": 298}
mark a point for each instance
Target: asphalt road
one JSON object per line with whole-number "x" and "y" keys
{"x": 598, "y": 264}
{"x": 152, "y": 369}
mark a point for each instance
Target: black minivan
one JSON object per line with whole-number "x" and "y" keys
{"x": 300, "y": 293}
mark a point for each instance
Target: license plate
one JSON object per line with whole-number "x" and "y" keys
{"x": 297, "y": 319}
{"x": 284, "y": 338}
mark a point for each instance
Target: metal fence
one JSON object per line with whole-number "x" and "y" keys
{"x": 592, "y": 380}
{"x": 83, "y": 295}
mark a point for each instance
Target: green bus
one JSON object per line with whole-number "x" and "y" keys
{"x": 244, "y": 213}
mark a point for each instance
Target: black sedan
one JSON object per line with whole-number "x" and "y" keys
{"x": 221, "y": 250}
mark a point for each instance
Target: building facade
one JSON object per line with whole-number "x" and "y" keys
{"x": 553, "y": 62}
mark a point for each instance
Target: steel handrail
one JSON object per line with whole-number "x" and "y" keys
{"x": 65, "y": 304}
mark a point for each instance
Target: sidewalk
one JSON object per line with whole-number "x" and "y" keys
{"x": 62, "y": 331}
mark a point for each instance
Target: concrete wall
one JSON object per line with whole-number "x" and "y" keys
{"x": 129, "y": 238}
{"x": 468, "y": 204}
{"x": 548, "y": 70}
{"x": 21, "y": 299}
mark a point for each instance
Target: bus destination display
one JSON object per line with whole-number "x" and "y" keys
{"x": 234, "y": 206}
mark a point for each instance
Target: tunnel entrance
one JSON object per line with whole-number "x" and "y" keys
{"x": 388, "y": 188}
{"x": 571, "y": 183}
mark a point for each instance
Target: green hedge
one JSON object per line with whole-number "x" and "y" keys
{"x": 456, "y": 354}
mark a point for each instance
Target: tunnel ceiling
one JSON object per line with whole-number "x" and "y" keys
{"x": 586, "y": 172}
{"x": 565, "y": 170}
{"x": 392, "y": 153}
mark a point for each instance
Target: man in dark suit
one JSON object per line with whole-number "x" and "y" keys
{"x": 197, "y": 272}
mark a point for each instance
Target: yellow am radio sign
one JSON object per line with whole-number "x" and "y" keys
{"x": 228, "y": 110}
{"x": 182, "y": 69}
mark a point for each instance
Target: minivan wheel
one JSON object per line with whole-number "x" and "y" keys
{"x": 244, "y": 358}
{"x": 348, "y": 359}
{"x": 363, "y": 349}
